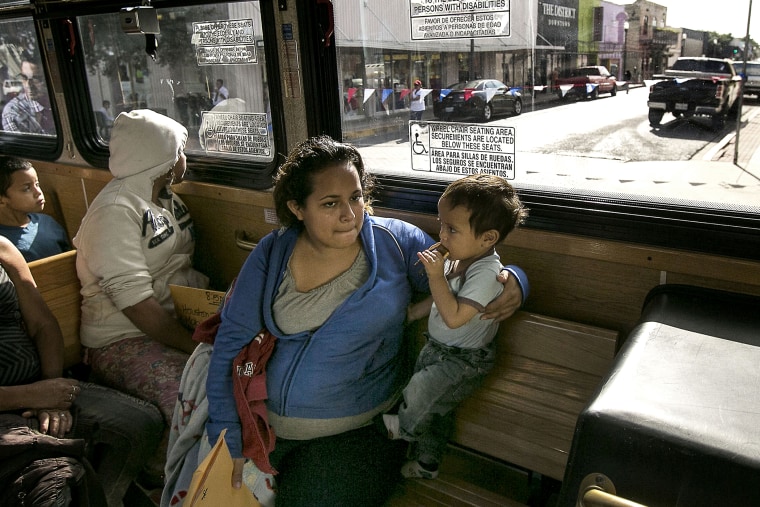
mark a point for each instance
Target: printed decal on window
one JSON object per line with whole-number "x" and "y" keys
{"x": 224, "y": 42}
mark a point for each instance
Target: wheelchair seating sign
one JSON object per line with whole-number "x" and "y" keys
{"x": 462, "y": 148}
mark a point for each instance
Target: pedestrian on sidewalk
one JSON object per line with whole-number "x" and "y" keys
{"x": 417, "y": 105}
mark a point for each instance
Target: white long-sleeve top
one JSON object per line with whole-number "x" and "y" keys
{"x": 129, "y": 249}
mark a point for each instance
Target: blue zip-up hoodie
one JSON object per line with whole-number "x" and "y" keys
{"x": 349, "y": 365}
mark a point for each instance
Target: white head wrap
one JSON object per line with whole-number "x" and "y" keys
{"x": 143, "y": 141}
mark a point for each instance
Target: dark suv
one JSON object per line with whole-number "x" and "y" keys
{"x": 752, "y": 82}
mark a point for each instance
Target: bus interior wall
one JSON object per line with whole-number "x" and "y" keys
{"x": 586, "y": 280}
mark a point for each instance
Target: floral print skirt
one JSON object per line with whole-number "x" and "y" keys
{"x": 141, "y": 367}
{"x": 147, "y": 370}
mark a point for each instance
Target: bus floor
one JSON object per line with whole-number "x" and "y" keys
{"x": 469, "y": 479}
{"x": 138, "y": 496}
{"x": 517, "y": 484}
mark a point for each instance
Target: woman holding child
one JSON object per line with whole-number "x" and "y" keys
{"x": 332, "y": 286}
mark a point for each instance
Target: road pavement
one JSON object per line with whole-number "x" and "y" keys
{"x": 710, "y": 175}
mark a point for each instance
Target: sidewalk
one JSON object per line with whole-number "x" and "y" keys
{"x": 376, "y": 125}
{"x": 749, "y": 142}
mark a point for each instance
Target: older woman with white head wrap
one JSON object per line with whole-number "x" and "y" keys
{"x": 136, "y": 238}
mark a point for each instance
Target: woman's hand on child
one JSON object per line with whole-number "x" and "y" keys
{"x": 506, "y": 303}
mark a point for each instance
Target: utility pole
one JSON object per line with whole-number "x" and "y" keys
{"x": 626, "y": 26}
{"x": 472, "y": 58}
{"x": 741, "y": 95}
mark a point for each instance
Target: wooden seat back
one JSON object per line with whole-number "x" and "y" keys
{"x": 546, "y": 372}
{"x": 58, "y": 283}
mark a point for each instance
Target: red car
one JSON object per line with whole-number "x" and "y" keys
{"x": 586, "y": 82}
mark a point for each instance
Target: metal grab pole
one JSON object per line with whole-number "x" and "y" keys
{"x": 741, "y": 94}
{"x": 598, "y": 498}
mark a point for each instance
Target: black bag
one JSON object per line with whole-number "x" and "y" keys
{"x": 40, "y": 470}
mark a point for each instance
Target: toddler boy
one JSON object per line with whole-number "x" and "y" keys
{"x": 476, "y": 213}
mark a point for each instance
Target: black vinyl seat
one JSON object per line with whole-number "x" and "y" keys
{"x": 676, "y": 421}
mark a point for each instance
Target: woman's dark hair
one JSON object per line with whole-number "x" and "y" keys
{"x": 295, "y": 177}
{"x": 8, "y": 166}
{"x": 493, "y": 203}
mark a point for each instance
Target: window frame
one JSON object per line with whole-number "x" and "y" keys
{"x": 44, "y": 147}
{"x": 687, "y": 225}
{"x": 208, "y": 169}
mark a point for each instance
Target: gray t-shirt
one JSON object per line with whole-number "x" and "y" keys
{"x": 477, "y": 287}
{"x": 296, "y": 311}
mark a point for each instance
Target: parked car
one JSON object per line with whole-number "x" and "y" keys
{"x": 480, "y": 99}
{"x": 575, "y": 83}
{"x": 437, "y": 104}
{"x": 752, "y": 83}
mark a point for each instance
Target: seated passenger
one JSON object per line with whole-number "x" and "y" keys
{"x": 34, "y": 233}
{"x": 121, "y": 431}
{"x": 333, "y": 287}
{"x": 136, "y": 238}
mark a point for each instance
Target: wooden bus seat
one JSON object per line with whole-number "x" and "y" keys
{"x": 524, "y": 415}
{"x": 519, "y": 423}
{"x": 58, "y": 283}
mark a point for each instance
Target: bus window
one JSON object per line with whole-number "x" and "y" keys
{"x": 498, "y": 97}
{"x": 469, "y": 67}
{"x": 207, "y": 73}
{"x": 26, "y": 102}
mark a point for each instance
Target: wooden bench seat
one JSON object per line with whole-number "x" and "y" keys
{"x": 57, "y": 281}
{"x": 520, "y": 423}
{"x": 523, "y": 418}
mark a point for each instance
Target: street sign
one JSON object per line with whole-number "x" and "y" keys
{"x": 224, "y": 42}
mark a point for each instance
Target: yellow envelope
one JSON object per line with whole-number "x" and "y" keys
{"x": 212, "y": 482}
{"x": 194, "y": 305}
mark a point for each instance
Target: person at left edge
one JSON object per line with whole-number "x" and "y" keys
{"x": 121, "y": 431}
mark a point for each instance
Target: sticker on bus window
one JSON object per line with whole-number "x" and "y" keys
{"x": 224, "y": 42}
{"x": 462, "y": 148}
{"x": 455, "y": 19}
{"x": 238, "y": 133}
